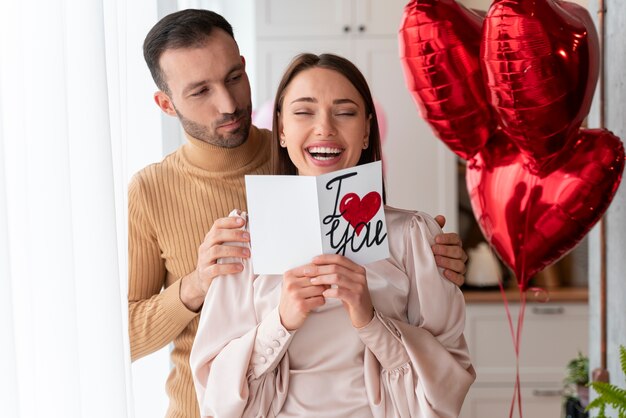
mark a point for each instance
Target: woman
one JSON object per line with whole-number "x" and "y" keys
{"x": 333, "y": 338}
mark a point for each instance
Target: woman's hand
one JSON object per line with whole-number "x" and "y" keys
{"x": 350, "y": 287}
{"x": 299, "y": 296}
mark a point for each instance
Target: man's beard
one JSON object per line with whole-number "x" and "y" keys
{"x": 209, "y": 134}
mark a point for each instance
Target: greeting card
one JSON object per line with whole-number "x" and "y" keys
{"x": 295, "y": 218}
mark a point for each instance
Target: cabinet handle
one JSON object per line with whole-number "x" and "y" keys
{"x": 548, "y": 310}
{"x": 346, "y": 29}
{"x": 361, "y": 28}
{"x": 547, "y": 393}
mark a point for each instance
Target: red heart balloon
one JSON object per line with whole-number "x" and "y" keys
{"x": 359, "y": 212}
{"x": 540, "y": 59}
{"x": 533, "y": 220}
{"x": 439, "y": 50}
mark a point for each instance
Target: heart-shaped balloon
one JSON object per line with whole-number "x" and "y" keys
{"x": 531, "y": 220}
{"x": 540, "y": 59}
{"x": 358, "y": 212}
{"x": 439, "y": 50}
{"x": 539, "y": 184}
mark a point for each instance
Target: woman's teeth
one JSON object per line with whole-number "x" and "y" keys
{"x": 324, "y": 153}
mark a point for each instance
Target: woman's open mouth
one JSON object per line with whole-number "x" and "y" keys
{"x": 324, "y": 153}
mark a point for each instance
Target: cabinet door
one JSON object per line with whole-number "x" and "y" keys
{"x": 376, "y": 17}
{"x": 419, "y": 169}
{"x": 552, "y": 335}
{"x": 537, "y": 402}
{"x": 304, "y": 18}
{"x": 273, "y": 56}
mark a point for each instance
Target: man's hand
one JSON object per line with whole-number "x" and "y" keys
{"x": 449, "y": 254}
{"x": 194, "y": 287}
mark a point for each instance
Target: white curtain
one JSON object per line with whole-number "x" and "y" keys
{"x": 63, "y": 335}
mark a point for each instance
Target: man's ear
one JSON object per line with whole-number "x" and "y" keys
{"x": 165, "y": 103}
{"x": 243, "y": 60}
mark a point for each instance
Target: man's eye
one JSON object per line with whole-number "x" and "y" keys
{"x": 346, "y": 113}
{"x": 199, "y": 92}
{"x": 235, "y": 78}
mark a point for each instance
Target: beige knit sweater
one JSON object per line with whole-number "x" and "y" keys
{"x": 171, "y": 207}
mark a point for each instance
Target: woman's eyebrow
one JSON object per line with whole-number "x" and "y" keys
{"x": 314, "y": 100}
{"x": 304, "y": 99}
{"x": 343, "y": 101}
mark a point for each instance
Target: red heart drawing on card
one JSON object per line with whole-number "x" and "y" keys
{"x": 358, "y": 212}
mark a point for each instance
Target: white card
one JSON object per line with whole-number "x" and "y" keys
{"x": 295, "y": 218}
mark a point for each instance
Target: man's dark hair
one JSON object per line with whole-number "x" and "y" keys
{"x": 184, "y": 29}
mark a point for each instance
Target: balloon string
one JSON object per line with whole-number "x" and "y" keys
{"x": 516, "y": 336}
{"x": 512, "y": 330}
{"x": 518, "y": 343}
{"x": 540, "y": 291}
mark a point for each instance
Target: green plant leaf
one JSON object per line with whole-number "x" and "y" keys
{"x": 609, "y": 394}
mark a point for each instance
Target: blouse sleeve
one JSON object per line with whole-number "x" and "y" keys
{"x": 234, "y": 373}
{"x": 433, "y": 373}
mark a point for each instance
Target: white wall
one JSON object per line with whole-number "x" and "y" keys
{"x": 615, "y": 62}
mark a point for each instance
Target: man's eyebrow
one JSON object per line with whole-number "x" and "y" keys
{"x": 196, "y": 84}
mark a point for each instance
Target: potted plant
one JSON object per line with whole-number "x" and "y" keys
{"x": 609, "y": 394}
{"x": 577, "y": 379}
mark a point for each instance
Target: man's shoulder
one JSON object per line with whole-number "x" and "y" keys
{"x": 153, "y": 173}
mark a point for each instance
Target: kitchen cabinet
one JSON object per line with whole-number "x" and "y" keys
{"x": 553, "y": 334}
{"x": 328, "y": 18}
{"x": 419, "y": 169}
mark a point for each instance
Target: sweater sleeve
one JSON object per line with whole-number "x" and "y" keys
{"x": 155, "y": 317}
{"x": 432, "y": 371}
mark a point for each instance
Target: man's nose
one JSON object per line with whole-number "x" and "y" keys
{"x": 226, "y": 103}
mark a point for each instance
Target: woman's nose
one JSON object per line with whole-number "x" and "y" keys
{"x": 325, "y": 125}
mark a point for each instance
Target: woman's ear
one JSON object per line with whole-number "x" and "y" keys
{"x": 368, "y": 127}
{"x": 281, "y": 131}
{"x": 165, "y": 103}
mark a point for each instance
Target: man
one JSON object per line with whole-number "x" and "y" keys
{"x": 178, "y": 207}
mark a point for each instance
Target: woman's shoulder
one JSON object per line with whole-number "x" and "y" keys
{"x": 403, "y": 220}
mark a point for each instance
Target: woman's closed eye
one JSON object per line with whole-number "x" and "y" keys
{"x": 303, "y": 112}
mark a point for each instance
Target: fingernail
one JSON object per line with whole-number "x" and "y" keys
{"x": 246, "y": 252}
{"x": 314, "y": 280}
{"x": 239, "y": 221}
{"x": 246, "y": 235}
